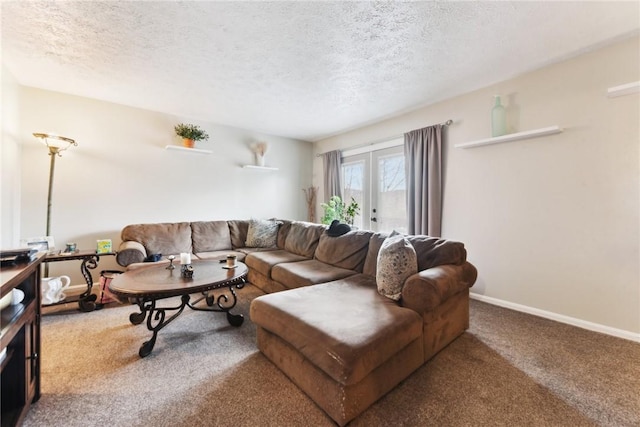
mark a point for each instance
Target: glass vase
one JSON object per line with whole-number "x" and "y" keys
{"x": 498, "y": 118}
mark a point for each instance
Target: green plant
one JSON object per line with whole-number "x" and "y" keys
{"x": 336, "y": 208}
{"x": 352, "y": 210}
{"x": 191, "y": 132}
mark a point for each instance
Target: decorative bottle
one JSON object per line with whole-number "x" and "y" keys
{"x": 498, "y": 118}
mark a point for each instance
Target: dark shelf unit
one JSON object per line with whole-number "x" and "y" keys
{"x": 20, "y": 336}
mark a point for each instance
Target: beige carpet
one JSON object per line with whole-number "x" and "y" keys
{"x": 509, "y": 369}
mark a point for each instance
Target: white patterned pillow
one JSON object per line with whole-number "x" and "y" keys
{"x": 397, "y": 261}
{"x": 262, "y": 233}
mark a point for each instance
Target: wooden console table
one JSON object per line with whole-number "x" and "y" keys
{"x": 20, "y": 341}
{"x": 90, "y": 259}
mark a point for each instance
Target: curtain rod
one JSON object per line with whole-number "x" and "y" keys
{"x": 447, "y": 123}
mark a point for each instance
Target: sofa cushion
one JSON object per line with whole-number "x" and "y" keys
{"x": 238, "y": 231}
{"x": 162, "y": 238}
{"x": 371, "y": 262}
{"x": 345, "y": 251}
{"x": 305, "y": 273}
{"x": 262, "y": 234}
{"x": 432, "y": 251}
{"x": 264, "y": 261}
{"x": 321, "y": 323}
{"x": 283, "y": 231}
{"x": 210, "y": 236}
{"x": 248, "y": 251}
{"x": 303, "y": 238}
{"x": 396, "y": 262}
{"x": 221, "y": 255}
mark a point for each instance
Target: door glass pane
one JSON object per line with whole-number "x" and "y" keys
{"x": 353, "y": 183}
{"x": 391, "y": 193}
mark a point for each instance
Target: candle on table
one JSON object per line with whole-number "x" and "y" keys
{"x": 185, "y": 258}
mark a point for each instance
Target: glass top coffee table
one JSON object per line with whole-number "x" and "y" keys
{"x": 149, "y": 284}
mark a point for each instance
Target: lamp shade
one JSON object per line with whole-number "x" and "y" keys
{"x": 55, "y": 143}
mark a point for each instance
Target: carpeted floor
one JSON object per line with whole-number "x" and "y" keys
{"x": 508, "y": 369}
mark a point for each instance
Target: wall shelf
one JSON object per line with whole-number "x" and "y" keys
{"x": 190, "y": 150}
{"x": 260, "y": 167}
{"x": 626, "y": 89}
{"x": 512, "y": 137}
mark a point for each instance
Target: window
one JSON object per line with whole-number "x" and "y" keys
{"x": 376, "y": 180}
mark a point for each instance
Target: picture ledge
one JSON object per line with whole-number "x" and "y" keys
{"x": 260, "y": 167}
{"x": 512, "y": 137}
{"x": 625, "y": 89}
{"x": 190, "y": 150}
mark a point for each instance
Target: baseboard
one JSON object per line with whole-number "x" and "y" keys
{"x": 74, "y": 290}
{"x": 596, "y": 327}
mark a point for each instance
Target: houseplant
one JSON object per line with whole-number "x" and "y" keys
{"x": 190, "y": 134}
{"x": 336, "y": 208}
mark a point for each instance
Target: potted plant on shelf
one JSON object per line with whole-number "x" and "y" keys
{"x": 190, "y": 134}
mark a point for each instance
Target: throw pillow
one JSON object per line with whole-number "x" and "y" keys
{"x": 262, "y": 234}
{"x": 336, "y": 229}
{"x": 397, "y": 261}
{"x": 153, "y": 258}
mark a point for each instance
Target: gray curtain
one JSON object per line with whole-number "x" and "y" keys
{"x": 423, "y": 165}
{"x": 332, "y": 162}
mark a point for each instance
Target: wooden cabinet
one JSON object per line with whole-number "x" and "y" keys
{"x": 20, "y": 337}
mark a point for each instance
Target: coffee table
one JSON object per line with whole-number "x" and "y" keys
{"x": 147, "y": 285}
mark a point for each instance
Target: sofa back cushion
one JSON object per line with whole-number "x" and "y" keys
{"x": 283, "y": 231}
{"x": 303, "y": 238}
{"x": 371, "y": 261}
{"x": 163, "y": 238}
{"x": 238, "y": 231}
{"x": 209, "y": 236}
{"x": 347, "y": 251}
{"x": 430, "y": 251}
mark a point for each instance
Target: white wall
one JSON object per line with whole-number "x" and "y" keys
{"x": 120, "y": 172}
{"x": 10, "y": 152}
{"x": 551, "y": 223}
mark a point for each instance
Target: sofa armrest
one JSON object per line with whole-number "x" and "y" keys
{"x": 130, "y": 252}
{"x": 426, "y": 290}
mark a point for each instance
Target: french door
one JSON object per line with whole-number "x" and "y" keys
{"x": 376, "y": 180}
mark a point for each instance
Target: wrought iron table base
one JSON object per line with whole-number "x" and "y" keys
{"x": 157, "y": 316}
{"x": 87, "y": 300}
{"x": 90, "y": 259}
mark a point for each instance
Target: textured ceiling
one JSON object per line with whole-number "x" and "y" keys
{"x": 305, "y": 70}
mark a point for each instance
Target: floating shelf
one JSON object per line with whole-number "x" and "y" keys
{"x": 190, "y": 150}
{"x": 512, "y": 137}
{"x": 260, "y": 167}
{"x": 626, "y": 89}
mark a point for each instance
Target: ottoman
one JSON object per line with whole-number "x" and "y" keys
{"x": 340, "y": 342}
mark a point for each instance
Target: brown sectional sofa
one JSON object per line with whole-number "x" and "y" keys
{"x": 323, "y": 322}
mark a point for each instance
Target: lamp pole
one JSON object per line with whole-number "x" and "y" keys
{"x": 56, "y": 146}
{"x": 53, "y": 152}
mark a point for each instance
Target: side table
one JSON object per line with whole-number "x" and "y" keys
{"x": 90, "y": 260}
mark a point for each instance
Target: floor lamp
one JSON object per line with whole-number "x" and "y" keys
{"x": 56, "y": 144}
